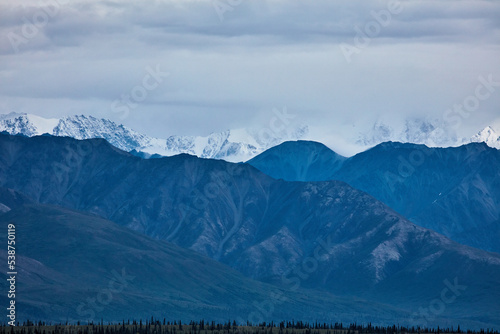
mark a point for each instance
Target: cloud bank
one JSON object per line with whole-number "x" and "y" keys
{"x": 230, "y": 62}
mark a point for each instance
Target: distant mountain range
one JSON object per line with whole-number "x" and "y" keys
{"x": 231, "y": 145}
{"x": 235, "y": 145}
{"x": 326, "y": 237}
{"x": 430, "y": 132}
{"x": 454, "y": 191}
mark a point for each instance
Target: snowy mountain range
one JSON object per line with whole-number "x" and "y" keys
{"x": 430, "y": 132}
{"x": 232, "y": 145}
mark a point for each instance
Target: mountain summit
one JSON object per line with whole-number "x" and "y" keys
{"x": 78, "y": 127}
{"x": 299, "y": 161}
{"x": 489, "y": 136}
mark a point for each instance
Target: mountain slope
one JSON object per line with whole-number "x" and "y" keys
{"x": 73, "y": 266}
{"x": 454, "y": 191}
{"x": 10, "y": 199}
{"x": 267, "y": 229}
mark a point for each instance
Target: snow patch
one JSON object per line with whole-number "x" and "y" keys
{"x": 4, "y": 208}
{"x": 390, "y": 250}
{"x": 43, "y": 125}
{"x": 384, "y": 253}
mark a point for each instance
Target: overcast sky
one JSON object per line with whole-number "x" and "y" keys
{"x": 338, "y": 66}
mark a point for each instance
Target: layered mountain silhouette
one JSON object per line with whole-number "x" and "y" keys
{"x": 322, "y": 236}
{"x": 454, "y": 191}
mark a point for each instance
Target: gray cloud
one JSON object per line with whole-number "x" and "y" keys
{"x": 263, "y": 54}
{"x": 277, "y": 21}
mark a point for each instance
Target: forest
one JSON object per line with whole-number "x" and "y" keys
{"x": 155, "y": 326}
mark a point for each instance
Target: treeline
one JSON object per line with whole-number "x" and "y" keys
{"x": 154, "y": 326}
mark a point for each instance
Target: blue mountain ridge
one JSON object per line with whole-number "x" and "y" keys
{"x": 454, "y": 191}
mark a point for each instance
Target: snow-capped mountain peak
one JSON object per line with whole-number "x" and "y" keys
{"x": 231, "y": 145}
{"x": 19, "y": 123}
{"x": 489, "y": 136}
{"x": 430, "y": 132}
{"x": 86, "y": 127}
